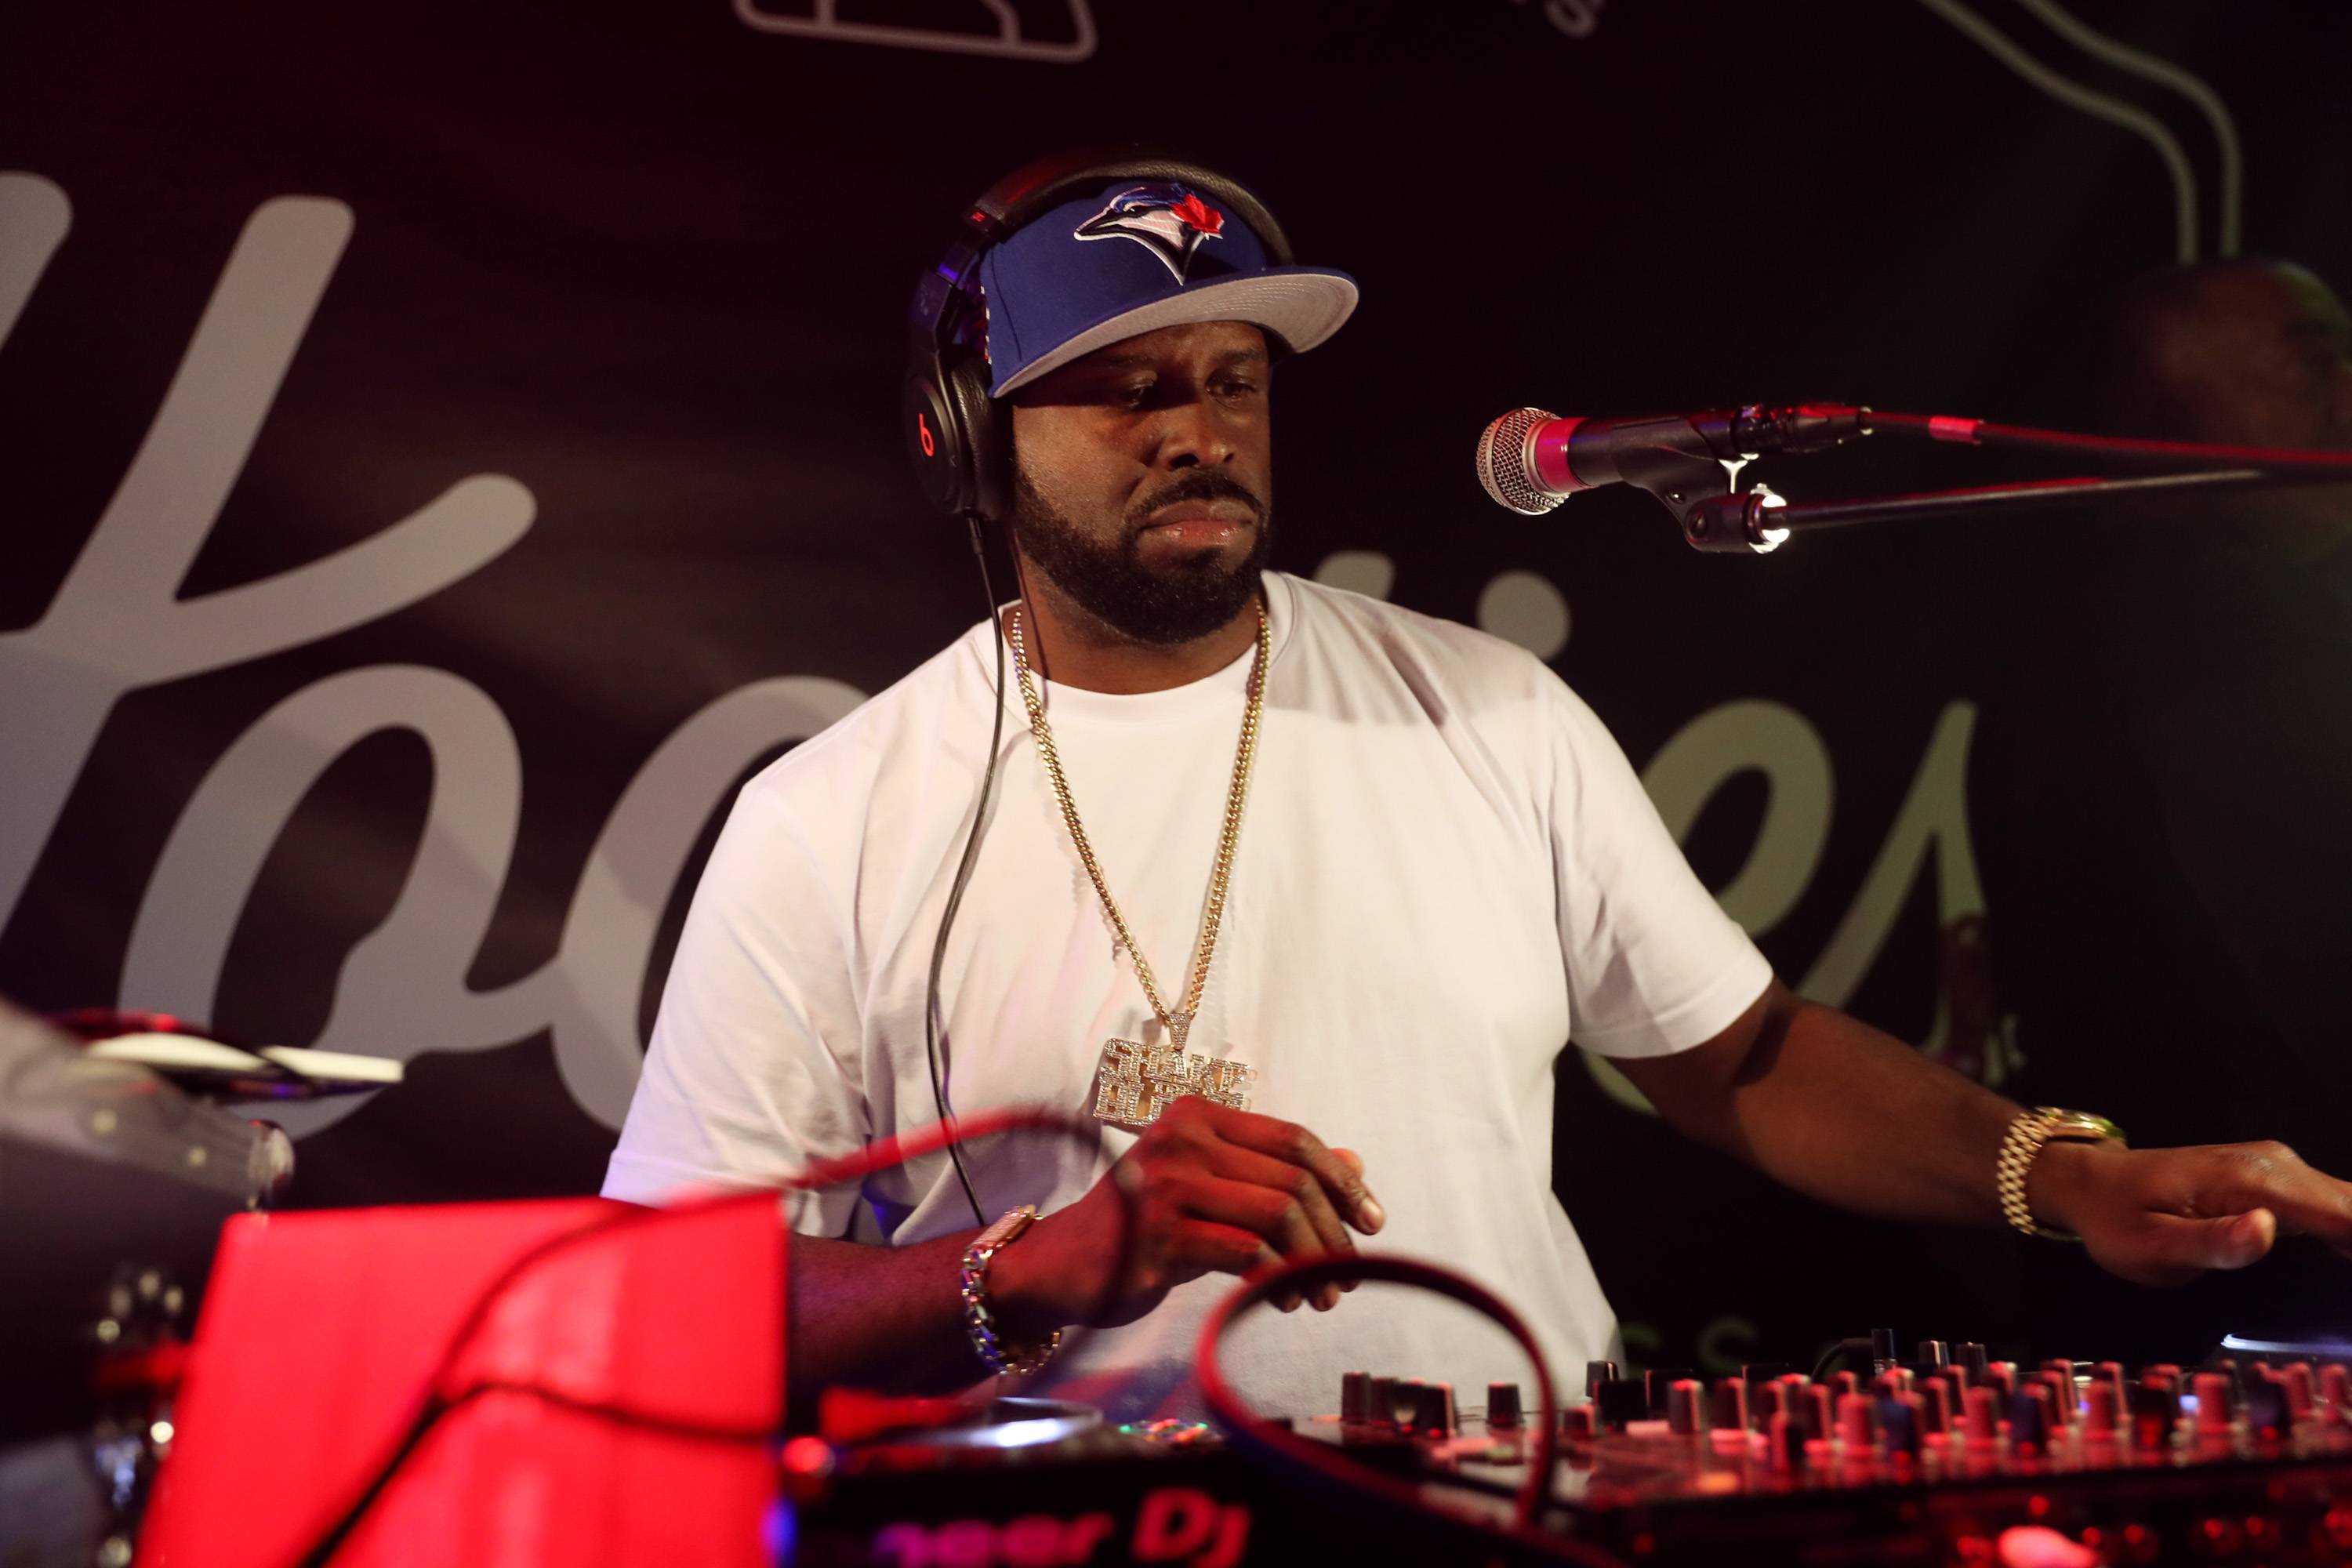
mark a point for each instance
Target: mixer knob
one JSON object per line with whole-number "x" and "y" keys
{"x": 1597, "y": 1373}
{"x": 2110, "y": 1372}
{"x": 1816, "y": 1410}
{"x": 1858, "y": 1426}
{"x": 2057, "y": 1399}
{"x": 1383, "y": 1400}
{"x": 2104, "y": 1410}
{"x": 1980, "y": 1420}
{"x": 1730, "y": 1413}
{"x": 1845, "y": 1383}
{"x": 2155, "y": 1411}
{"x": 1684, "y": 1410}
{"x": 1503, "y": 1405}
{"x": 2299, "y": 1391}
{"x": 2002, "y": 1375}
{"x": 1972, "y": 1361}
{"x": 2061, "y": 1386}
{"x": 2213, "y": 1412}
{"x": 1658, "y": 1380}
{"x": 1355, "y": 1397}
{"x": 2029, "y": 1420}
{"x": 1432, "y": 1411}
{"x": 2336, "y": 1386}
{"x": 2265, "y": 1403}
{"x": 1621, "y": 1400}
{"x": 1786, "y": 1440}
{"x": 1577, "y": 1424}
{"x": 1935, "y": 1352}
{"x": 1936, "y": 1401}
{"x": 1408, "y": 1401}
{"x": 1900, "y": 1421}
{"x": 1882, "y": 1349}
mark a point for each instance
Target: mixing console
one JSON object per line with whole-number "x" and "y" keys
{"x": 1947, "y": 1457}
{"x": 1937, "y": 1459}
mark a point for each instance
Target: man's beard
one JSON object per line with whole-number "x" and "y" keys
{"x": 1110, "y": 582}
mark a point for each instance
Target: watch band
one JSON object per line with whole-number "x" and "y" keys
{"x": 979, "y": 1315}
{"x": 2027, "y": 1134}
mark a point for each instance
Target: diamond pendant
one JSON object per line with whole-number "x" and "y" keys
{"x": 1136, "y": 1082}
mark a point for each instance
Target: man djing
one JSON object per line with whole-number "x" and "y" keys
{"x": 1299, "y": 892}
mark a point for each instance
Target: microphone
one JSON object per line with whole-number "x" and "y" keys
{"x": 1531, "y": 459}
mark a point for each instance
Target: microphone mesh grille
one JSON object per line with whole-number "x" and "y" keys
{"x": 1502, "y": 466}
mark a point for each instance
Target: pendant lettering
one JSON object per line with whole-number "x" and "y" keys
{"x": 1136, "y": 1081}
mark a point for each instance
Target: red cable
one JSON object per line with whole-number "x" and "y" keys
{"x": 1524, "y": 1530}
{"x": 1986, "y": 433}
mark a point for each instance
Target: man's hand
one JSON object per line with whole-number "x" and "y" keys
{"x": 1208, "y": 1190}
{"x": 2162, "y": 1216}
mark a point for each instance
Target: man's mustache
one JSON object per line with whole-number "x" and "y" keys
{"x": 1201, "y": 484}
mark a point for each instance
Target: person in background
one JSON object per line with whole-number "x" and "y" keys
{"x": 2161, "y": 788}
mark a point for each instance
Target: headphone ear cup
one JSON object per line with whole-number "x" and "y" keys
{"x": 986, "y": 430}
{"x": 935, "y": 442}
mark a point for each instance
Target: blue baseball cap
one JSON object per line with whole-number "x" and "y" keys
{"x": 1135, "y": 258}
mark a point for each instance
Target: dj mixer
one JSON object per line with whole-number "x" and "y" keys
{"x": 496, "y": 1384}
{"x": 1946, "y": 1457}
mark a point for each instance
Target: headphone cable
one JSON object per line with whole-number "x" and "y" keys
{"x": 931, "y": 1043}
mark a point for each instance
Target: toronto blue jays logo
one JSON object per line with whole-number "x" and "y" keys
{"x": 1169, "y": 221}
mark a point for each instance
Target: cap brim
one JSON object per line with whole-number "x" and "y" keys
{"x": 1302, "y": 305}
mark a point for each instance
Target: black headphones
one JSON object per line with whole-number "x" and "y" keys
{"x": 960, "y": 442}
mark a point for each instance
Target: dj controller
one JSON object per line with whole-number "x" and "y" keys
{"x": 573, "y": 1380}
{"x": 1946, "y": 1457}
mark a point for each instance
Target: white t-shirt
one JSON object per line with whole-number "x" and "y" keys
{"x": 1446, "y": 869}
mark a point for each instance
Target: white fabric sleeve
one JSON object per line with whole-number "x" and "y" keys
{"x": 753, "y": 1071}
{"x": 1654, "y": 966}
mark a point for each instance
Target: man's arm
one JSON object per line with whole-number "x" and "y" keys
{"x": 1854, "y": 1117}
{"x": 1205, "y": 1190}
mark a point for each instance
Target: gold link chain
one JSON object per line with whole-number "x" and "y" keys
{"x": 1236, "y": 796}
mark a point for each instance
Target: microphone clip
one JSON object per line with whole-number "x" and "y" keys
{"x": 1694, "y": 467}
{"x": 1691, "y": 463}
{"x": 1735, "y": 523}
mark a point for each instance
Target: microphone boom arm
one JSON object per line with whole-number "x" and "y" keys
{"x": 1757, "y": 521}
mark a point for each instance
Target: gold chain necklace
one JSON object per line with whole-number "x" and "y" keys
{"x": 1136, "y": 1081}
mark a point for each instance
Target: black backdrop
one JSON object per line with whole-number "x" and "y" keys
{"x": 404, "y": 730}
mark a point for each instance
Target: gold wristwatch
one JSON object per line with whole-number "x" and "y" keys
{"x": 2026, "y": 1135}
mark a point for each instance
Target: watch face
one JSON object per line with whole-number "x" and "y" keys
{"x": 2082, "y": 1124}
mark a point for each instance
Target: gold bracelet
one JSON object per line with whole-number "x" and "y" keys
{"x": 979, "y": 1313}
{"x": 2026, "y": 1135}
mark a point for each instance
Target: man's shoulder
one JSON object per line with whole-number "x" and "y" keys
{"x": 936, "y": 714}
{"x": 1416, "y": 643}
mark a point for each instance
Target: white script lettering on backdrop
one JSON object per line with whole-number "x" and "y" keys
{"x": 116, "y": 626}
